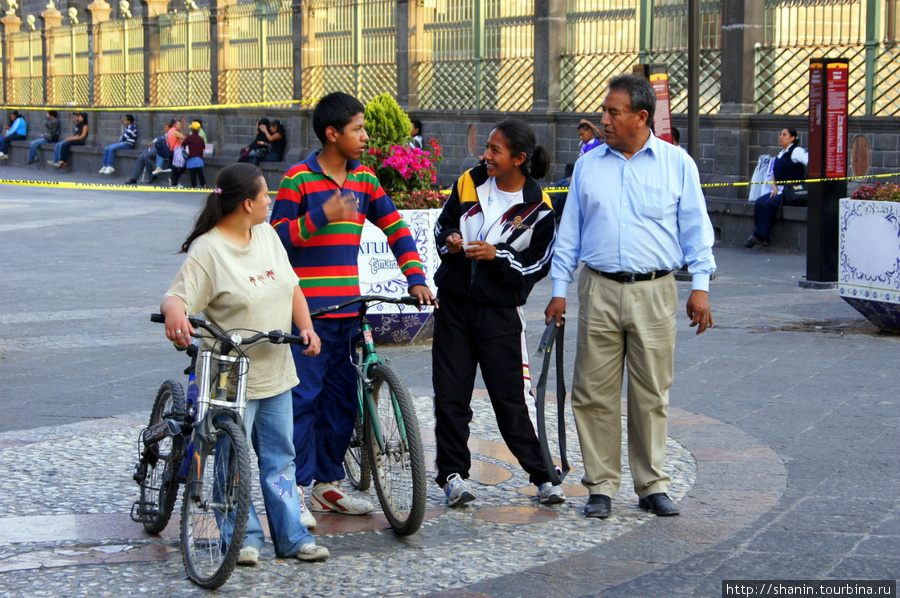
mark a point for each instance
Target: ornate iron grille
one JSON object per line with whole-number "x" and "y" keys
{"x": 797, "y": 30}
{"x": 355, "y": 48}
{"x": 120, "y": 80}
{"x": 69, "y": 83}
{"x": 887, "y": 89}
{"x": 601, "y": 42}
{"x": 25, "y": 83}
{"x": 258, "y": 53}
{"x": 183, "y": 77}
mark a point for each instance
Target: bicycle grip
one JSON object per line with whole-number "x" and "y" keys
{"x": 158, "y": 318}
{"x": 409, "y": 300}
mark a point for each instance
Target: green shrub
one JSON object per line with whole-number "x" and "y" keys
{"x": 386, "y": 122}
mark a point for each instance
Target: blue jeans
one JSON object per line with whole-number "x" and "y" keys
{"x": 109, "y": 152}
{"x": 268, "y": 425}
{"x": 4, "y": 141}
{"x": 33, "y": 148}
{"x": 764, "y": 212}
{"x": 61, "y": 151}
{"x": 270, "y": 157}
{"x": 325, "y": 402}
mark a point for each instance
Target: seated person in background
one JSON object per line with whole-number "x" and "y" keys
{"x": 277, "y": 143}
{"x": 145, "y": 161}
{"x": 676, "y": 139}
{"x": 173, "y": 139}
{"x": 16, "y": 129}
{"x": 50, "y": 135}
{"x": 61, "y": 151}
{"x": 126, "y": 141}
{"x": 416, "y": 133}
{"x": 260, "y": 141}
{"x": 591, "y": 138}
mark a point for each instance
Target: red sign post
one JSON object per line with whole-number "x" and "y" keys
{"x": 658, "y": 76}
{"x": 828, "y": 94}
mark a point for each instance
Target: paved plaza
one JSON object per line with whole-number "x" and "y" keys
{"x": 783, "y": 438}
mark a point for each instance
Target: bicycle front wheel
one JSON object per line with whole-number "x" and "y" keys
{"x": 398, "y": 463}
{"x": 216, "y": 506}
{"x": 162, "y": 461}
{"x": 356, "y": 460}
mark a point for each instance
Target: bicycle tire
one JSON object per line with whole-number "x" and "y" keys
{"x": 159, "y": 486}
{"x": 356, "y": 460}
{"x": 209, "y": 507}
{"x": 399, "y": 471}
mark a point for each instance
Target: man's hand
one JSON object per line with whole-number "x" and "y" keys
{"x": 341, "y": 208}
{"x": 698, "y": 311}
{"x": 424, "y": 295}
{"x": 480, "y": 250}
{"x": 454, "y": 243}
{"x": 555, "y": 310}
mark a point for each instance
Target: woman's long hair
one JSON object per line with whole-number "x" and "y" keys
{"x": 234, "y": 184}
{"x": 520, "y": 139}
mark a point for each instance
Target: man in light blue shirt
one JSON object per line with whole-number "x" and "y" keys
{"x": 635, "y": 213}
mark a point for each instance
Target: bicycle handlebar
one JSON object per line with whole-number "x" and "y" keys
{"x": 276, "y": 337}
{"x": 414, "y": 301}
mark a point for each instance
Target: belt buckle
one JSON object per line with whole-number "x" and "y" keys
{"x": 628, "y": 277}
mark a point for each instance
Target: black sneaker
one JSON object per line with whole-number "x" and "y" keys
{"x": 131, "y": 182}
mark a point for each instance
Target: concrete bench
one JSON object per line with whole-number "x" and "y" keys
{"x": 732, "y": 221}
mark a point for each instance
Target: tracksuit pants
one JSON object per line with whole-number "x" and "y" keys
{"x": 467, "y": 335}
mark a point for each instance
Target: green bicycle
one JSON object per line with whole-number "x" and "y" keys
{"x": 386, "y": 446}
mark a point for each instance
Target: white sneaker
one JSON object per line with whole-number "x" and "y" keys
{"x": 157, "y": 170}
{"x": 306, "y": 518}
{"x": 312, "y": 552}
{"x": 110, "y": 169}
{"x": 102, "y": 170}
{"x": 248, "y": 557}
{"x": 458, "y": 491}
{"x": 549, "y": 494}
{"x": 331, "y": 497}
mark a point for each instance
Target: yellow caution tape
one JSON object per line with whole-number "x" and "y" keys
{"x": 75, "y": 108}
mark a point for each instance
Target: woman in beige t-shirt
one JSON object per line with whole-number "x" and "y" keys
{"x": 238, "y": 274}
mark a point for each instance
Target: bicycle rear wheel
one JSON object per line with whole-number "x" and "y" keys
{"x": 216, "y": 506}
{"x": 162, "y": 461}
{"x": 356, "y": 460}
{"x": 399, "y": 469}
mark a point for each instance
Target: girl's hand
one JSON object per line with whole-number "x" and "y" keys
{"x": 313, "y": 343}
{"x": 480, "y": 250}
{"x": 178, "y": 328}
{"x": 454, "y": 243}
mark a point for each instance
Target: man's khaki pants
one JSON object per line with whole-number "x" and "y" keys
{"x": 619, "y": 322}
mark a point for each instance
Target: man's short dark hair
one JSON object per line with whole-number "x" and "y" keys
{"x": 335, "y": 110}
{"x": 416, "y": 123}
{"x": 676, "y": 134}
{"x": 639, "y": 90}
{"x": 129, "y": 118}
{"x": 584, "y": 127}
{"x": 53, "y": 113}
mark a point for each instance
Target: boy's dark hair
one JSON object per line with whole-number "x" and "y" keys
{"x": 335, "y": 110}
{"x": 584, "y": 127}
{"x": 129, "y": 118}
{"x": 676, "y": 134}
{"x": 53, "y": 113}
{"x": 417, "y": 124}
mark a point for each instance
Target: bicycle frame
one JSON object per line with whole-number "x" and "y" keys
{"x": 367, "y": 407}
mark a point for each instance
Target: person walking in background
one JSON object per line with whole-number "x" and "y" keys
{"x": 126, "y": 141}
{"x": 636, "y": 213}
{"x": 50, "y": 135}
{"x": 231, "y": 238}
{"x": 15, "y": 130}
{"x": 319, "y": 213}
{"x": 495, "y": 238}
{"x": 194, "y": 160}
{"x": 277, "y": 142}
{"x": 789, "y": 165}
{"x": 61, "y": 151}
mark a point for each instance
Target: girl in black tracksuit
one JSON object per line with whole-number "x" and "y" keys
{"x": 495, "y": 238}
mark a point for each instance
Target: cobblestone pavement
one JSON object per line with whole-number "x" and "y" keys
{"x": 783, "y": 444}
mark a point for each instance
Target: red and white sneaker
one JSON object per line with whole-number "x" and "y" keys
{"x": 306, "y": 518}
{"x": 329, "y": 496}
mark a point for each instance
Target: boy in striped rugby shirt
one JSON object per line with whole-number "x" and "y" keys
{"x": 319, "y": 213}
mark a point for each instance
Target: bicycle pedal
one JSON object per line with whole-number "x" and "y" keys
{"x": 144, "y": 512}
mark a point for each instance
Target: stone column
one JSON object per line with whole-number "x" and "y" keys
{"x": 410, "y": 50}
{"x": 742, "y": 29}
{"x": 11, "y": 24}
{"x": 52, "y": 19}
{"x": 549, "y": 43}
{"x": 304, "y": 32}
{"x": 99, "y": 11}
{"x": 152, "y": 10}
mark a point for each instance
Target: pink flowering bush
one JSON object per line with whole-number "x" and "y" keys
{"x": 879, "y": 192}
{"x": 407, "y": 173}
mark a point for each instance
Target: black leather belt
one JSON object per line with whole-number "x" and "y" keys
{"x": 631, "y": 277}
